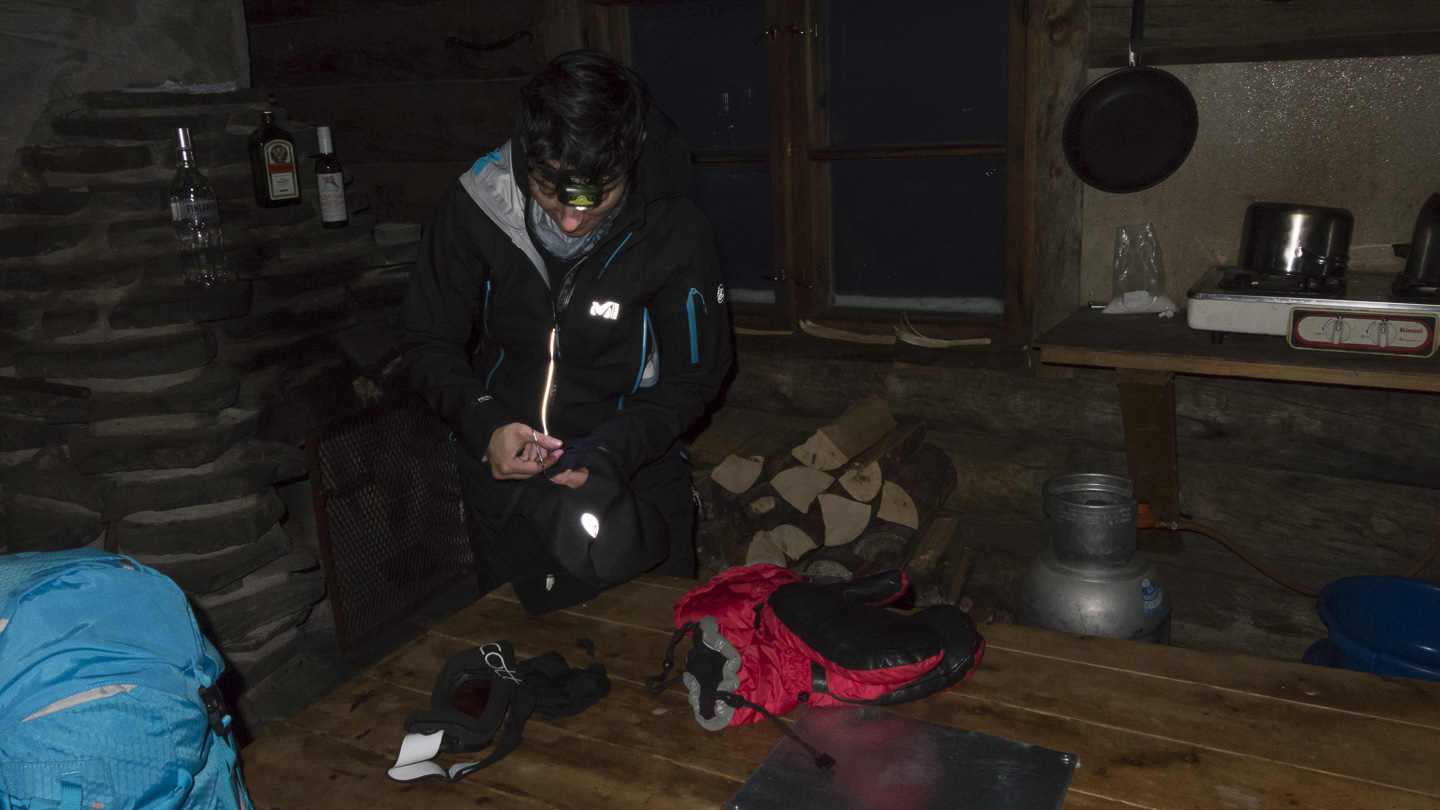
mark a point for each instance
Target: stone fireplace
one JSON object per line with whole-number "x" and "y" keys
{"x": 139, "y": 415}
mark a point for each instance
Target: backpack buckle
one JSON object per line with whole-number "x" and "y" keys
{"x": 215, "y": 709}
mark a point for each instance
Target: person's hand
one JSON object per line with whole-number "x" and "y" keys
{"x": 518, "y": 451}
{"x": 571, "y": 478}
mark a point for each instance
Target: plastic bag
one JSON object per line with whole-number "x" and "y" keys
{"x": 1139, "y": 277}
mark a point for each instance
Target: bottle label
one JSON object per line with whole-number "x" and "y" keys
{"x": 205, "y": 208}
{"x": 332, "y": 196}
{"x": 280, "y": 169}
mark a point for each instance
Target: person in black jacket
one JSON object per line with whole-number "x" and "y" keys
{"x": 566, "y": 308}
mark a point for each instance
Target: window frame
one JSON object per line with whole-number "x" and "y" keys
{"x": 800, "y": 162}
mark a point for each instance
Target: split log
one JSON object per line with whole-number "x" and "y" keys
{"x": 738, "y": 473}
{"x": 844, "y": 519}
{"x": 932, "y": 545}
{"x": 866, "y": 472}
{"x": 865, "y": 422}
{"x": 897, "y": 505}
{"x": 790, "y": 540}
{"x": 918, "y": 487}
{"x": 883, "y": 546}
{"x": 799, "y": 486}
{"x": 940, "y": 564}
{"x": 762, "y": 550}
{"x": 863, "y": 483}
{"x": 755, "y": 461}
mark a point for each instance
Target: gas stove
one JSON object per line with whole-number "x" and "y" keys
{"x": 1361, "y": 313}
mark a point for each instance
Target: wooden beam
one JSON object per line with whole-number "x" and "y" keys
{"x": 1206, "y": 31}
{"x": 1147, "y": 404}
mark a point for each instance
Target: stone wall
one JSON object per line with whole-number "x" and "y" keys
{"x": 142, "y": 415}
{"x": 57, "y": 51}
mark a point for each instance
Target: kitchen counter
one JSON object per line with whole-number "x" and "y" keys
{"x": 1151, "y": 343}
{"x": 1147, "y": 351}
{"x": 1153, "y": 726}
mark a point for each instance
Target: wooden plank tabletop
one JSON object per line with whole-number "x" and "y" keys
{"x": 1154, "y": 727}
{"x": 1151, "y": 343}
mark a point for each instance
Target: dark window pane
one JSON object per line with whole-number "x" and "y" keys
{"x": 705, "y": 63}
{"x": 916, "y": 71}
{"x": 735, "y": 197}
{"x": 920, "y": 234}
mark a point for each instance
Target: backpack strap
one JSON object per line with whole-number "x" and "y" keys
{"x": 417, "y": 750}
{"x": 516, "y": 690}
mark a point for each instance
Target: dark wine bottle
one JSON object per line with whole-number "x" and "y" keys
{"x": 330, "y": 182}
{"x": 272, "y": 164}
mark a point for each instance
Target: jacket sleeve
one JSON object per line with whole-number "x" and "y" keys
{"x": 437, "y": 317}
{"x": 691, "y": 321}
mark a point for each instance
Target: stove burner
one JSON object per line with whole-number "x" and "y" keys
{"x": 1241, "y": 280}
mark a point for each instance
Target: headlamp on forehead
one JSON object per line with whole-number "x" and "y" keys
{"x": 580, "y": 191}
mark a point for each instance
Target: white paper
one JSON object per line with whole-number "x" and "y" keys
{"x": 415, "y": 752}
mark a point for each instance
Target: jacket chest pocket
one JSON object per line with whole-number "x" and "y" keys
{"x": 602, "y": 332}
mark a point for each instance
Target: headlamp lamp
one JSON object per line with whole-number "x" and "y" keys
{"x": 580, "y": 191}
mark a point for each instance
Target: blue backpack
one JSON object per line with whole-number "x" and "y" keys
{"x": 107, "y": 690}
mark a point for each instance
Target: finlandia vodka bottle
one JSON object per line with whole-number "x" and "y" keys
{"x": 196, "y": 215}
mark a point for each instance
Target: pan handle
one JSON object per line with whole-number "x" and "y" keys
{"x": 1137, "y": 29}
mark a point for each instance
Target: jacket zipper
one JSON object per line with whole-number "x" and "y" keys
{"x": 549, "y": 380}
{"x": 690, "y": 313}
{"x": 567, "y": 289}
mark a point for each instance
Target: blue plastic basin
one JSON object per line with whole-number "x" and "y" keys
{"x": 1384, "y": 625}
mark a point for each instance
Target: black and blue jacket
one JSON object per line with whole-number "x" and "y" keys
{"x": 640, "y": 327}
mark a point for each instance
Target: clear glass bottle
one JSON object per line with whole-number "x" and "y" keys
{"x": 195, "y": 212}
{"x": 330, "y": 182}
{"x": 272, "y": 164}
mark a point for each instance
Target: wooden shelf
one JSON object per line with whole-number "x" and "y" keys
{"x": 1152, "y": 343}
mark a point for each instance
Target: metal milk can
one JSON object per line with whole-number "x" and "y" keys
{"x": 1093, "y": 579}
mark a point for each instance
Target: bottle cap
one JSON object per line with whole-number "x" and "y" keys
{"x": 182, "y": 134}
{"x": 326, "y": 144}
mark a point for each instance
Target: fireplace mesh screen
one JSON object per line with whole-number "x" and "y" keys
{"x": 388, "y": 514}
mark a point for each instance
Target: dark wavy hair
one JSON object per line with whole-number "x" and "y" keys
{"x": 584, "y": 111}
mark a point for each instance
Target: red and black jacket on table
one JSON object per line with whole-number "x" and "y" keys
{"x": 643, "y": 340}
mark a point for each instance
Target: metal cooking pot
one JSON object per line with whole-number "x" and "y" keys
{"x": 1295, "y": 239}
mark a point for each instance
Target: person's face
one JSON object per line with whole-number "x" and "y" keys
{"x": 573, "y": 221}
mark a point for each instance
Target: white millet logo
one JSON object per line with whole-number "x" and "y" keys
{"x": 609, "y": 309}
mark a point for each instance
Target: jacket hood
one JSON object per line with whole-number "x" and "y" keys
{"x": 499, "y": 184}
{"x": 664, "y": 168}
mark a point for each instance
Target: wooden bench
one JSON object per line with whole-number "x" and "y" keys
{"x": 1153, "y": 727}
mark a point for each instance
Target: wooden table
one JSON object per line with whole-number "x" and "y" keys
{"x": 1154, "y": 727}
{"x": 1147, "y": 351}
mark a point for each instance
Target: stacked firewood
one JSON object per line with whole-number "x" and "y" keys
{"x": 861, "y": 494}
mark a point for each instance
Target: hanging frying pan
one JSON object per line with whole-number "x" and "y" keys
{"x": 1133, "y": 127}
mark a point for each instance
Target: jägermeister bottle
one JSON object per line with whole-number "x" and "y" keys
{"x": 272, "y": 164}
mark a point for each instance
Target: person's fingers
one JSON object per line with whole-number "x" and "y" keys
{"x": 571, "y": 478}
